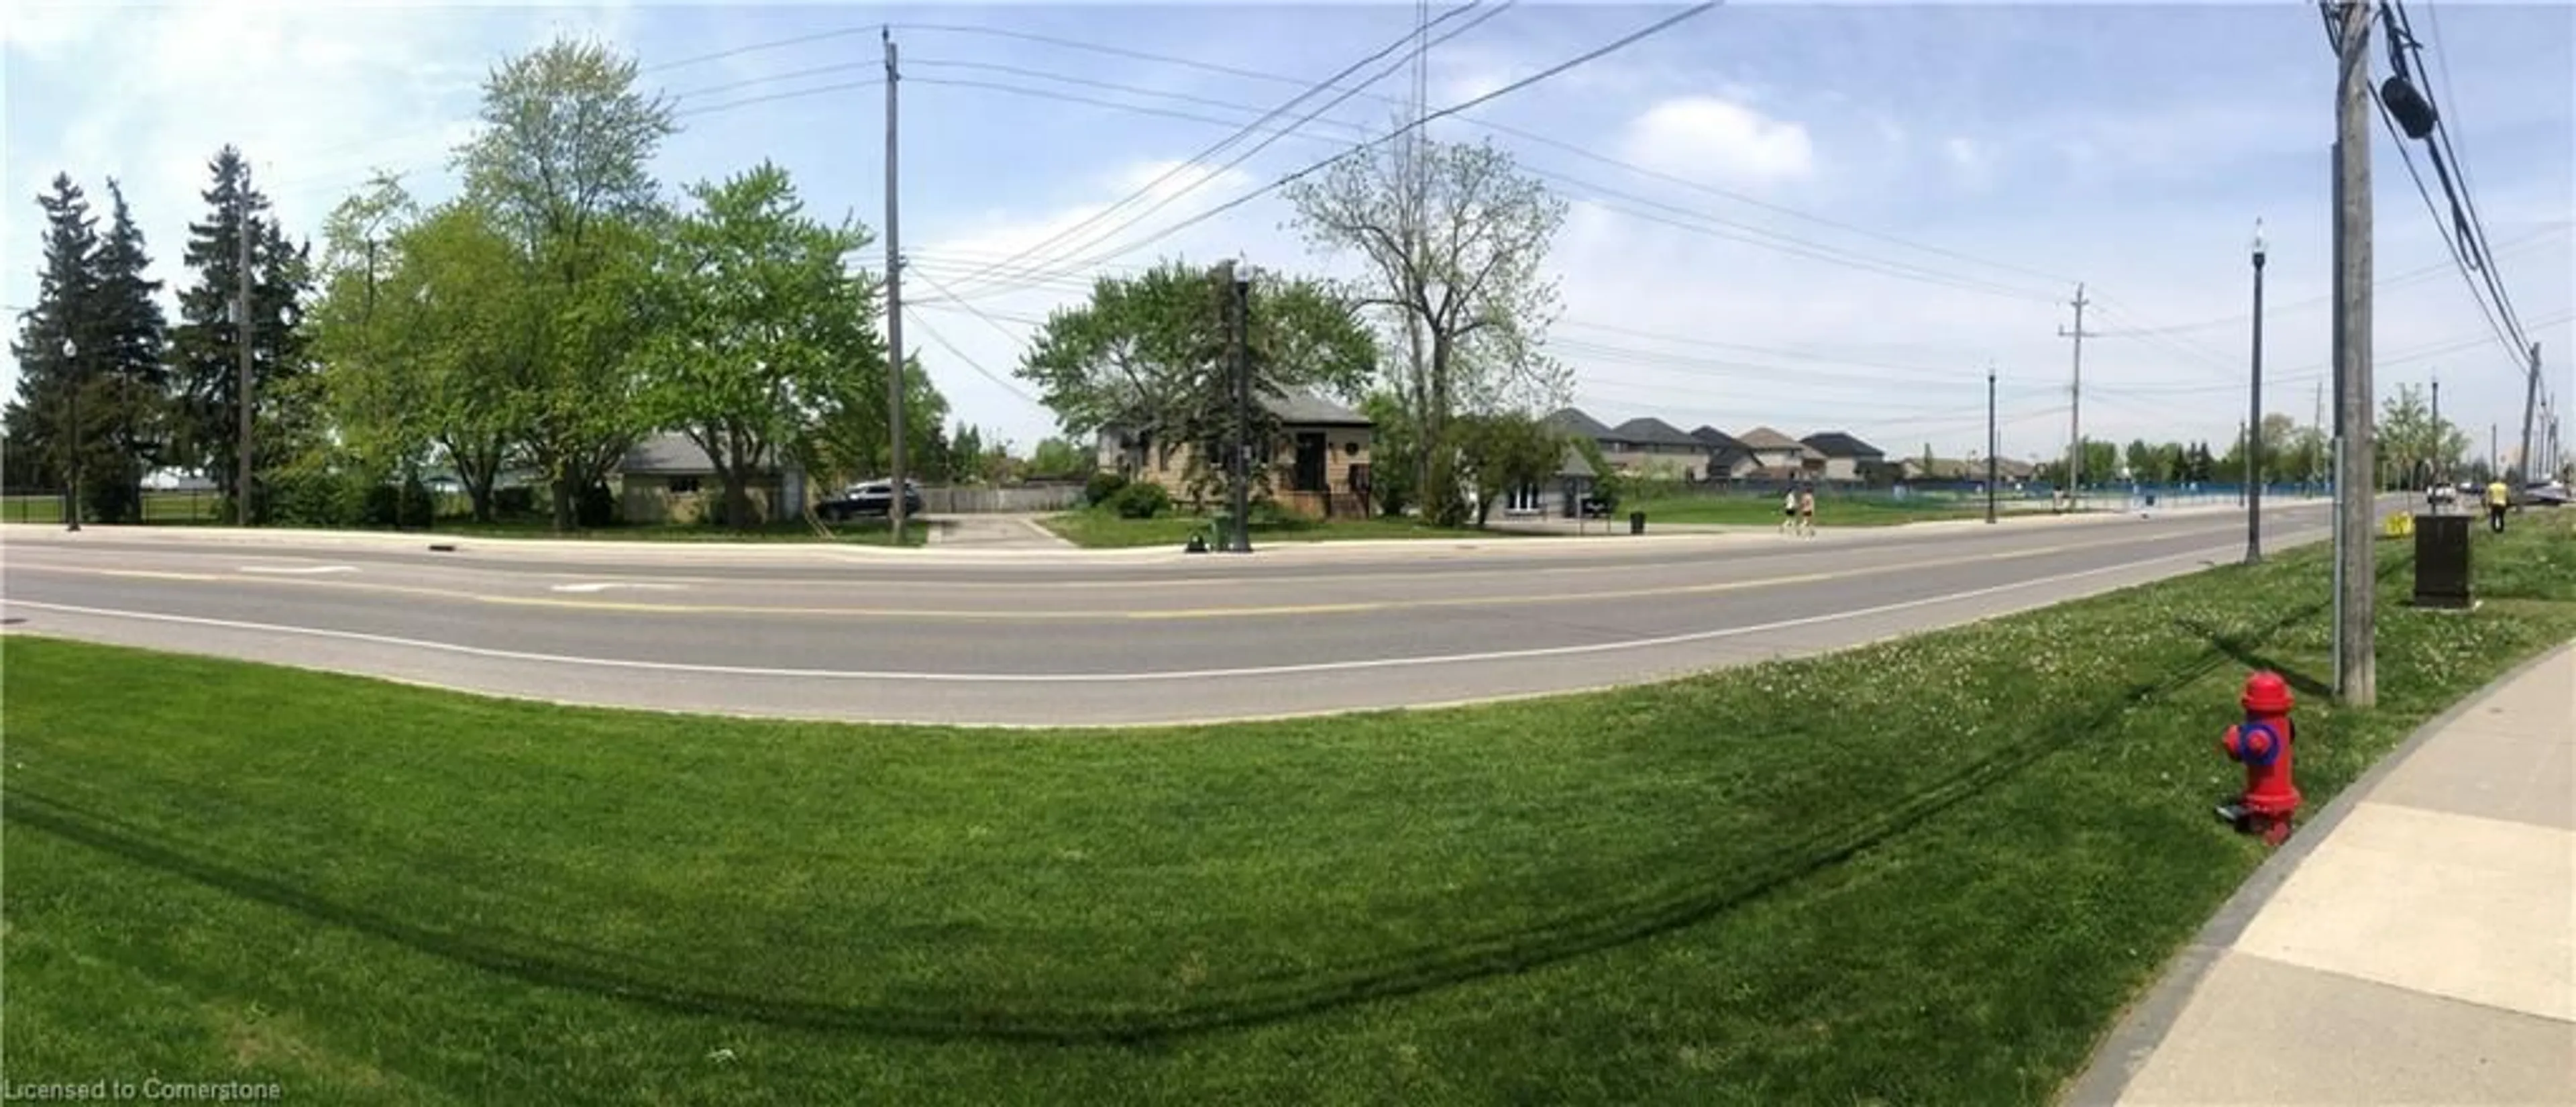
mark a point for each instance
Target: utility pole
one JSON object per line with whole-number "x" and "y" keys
{"x": 2495, "y": 454}
{"x": 2254, "y": 421}
{"x": 2356, "y": 663}
{"x": 244, "y": 327}
{"x": 1990, "y": 445}
{"x": 901, "y": 488}
{"x": 2439, "y": 439}
{"x": 2075, "y": 405}
{"x": 2530, "y": 397}
{"x": 1238, "y": 301}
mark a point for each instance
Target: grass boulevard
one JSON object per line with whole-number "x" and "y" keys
{"x": 1927, "y": 871}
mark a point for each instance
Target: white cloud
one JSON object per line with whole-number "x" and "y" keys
{"x": 1971, "y": 163}
{"x": 1706, "y": 138}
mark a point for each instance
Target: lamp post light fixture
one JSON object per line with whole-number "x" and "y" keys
{"x": 2254, "y": 419}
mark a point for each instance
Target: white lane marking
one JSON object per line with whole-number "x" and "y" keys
{"x": 299, "y": 570}
{"x": 603, "y": 586}
{"x": 1100, "y": 678}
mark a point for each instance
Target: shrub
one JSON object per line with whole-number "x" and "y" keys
{"x": 519, "y": 500}
{"x": 596, "y": 507}
{"x": 412, "y": 501}
{"x": 1142, "y": 500}
{"x": 1101, "y": 487}
{"x": 312, "y": 499}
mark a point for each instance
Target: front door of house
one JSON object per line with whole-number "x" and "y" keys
{"x": 1310, "y": 461}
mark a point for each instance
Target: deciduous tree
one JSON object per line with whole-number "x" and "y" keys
{"x": 1150, "y": 355}
{"x": 562, "y": 164}
{"x": 763, "y": 331}
{"x": 1454, "y": 237}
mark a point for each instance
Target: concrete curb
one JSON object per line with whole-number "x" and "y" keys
{"x": 2117, "y": 1059}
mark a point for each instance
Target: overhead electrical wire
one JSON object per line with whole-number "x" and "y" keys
{"x": 1516, "y": 132}
{"x": 1551, "y": 72}
{"x": 1148, "y": 189}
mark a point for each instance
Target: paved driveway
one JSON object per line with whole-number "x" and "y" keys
{"x": 994, "y": 532}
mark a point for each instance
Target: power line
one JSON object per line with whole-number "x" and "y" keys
{"x": 1594, "y": 54}
{"x": 1525, "y": 134}
{"x": 1148, "y": 188}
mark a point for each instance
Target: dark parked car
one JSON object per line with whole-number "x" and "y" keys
{"x": 870, "y": 499}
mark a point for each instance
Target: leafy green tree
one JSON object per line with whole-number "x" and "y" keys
{"x": 1394, "y": 454}
{"x": 2412, "y": 448}
{"x": 562, "y": 164}
{"x": 378, "y": 395}
{"x": 1453, "y": 237}
{"x": 1149, "y": 354}
{"x": 1059, "y": 459}
{"x": 1504, "y": 451}
{"x": 41, "y": 418}
{"x": 762, "y": 329}
{"x": 207, "y": 342}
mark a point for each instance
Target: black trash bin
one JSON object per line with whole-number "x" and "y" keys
{"x": 2442, "y": 561}
{"x": 1636, "y": 522}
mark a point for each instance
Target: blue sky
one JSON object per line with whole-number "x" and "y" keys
{"x": 2129, "y": 147}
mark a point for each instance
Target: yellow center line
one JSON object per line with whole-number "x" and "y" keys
{"x": 1016, "y": 615}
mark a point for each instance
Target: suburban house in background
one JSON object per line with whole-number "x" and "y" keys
{"x": 1319, "y": 466}
{"x": 1847, "y": 459}
{"x": 1638, "y": 445}
{"x": 1778, "y": 457}
{"x": 1561, "y": 496}
{"x": 667, "y": 479}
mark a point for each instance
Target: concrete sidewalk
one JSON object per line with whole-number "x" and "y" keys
{"x": 2415, "y": 945}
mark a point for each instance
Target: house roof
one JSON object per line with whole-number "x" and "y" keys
{"x": 1305, "y": 409}
{"x": 1716, "y": 440}
{"x": 1574, "y": 421}
{"x": 1764, "y": 438}
{"x": 1839, "y": 444}
{"x": 1650, "y": 431}
{"x": 1574, "y": 465}
{"x": 666, "y": 453}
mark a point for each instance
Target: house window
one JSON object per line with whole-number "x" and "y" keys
{"x": 683, "y": 485}
{"x": 1522, "y": 499}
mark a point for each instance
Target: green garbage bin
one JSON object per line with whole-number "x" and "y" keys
{"x": 1636, "y": 522}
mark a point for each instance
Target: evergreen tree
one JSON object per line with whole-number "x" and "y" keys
{"x": 52, "y": 379}
{"x": 207, "y": 347}
{"x": 132, "y": 367}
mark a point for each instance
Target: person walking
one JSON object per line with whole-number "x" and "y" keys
{"x": 1789, "y": 511}
{"x": 2498, "y": 498}
{"x": 1807, "y": 511}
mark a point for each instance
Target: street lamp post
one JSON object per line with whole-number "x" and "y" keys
{"x": 71, "y": 362}
{"x": 2254, "y": 420}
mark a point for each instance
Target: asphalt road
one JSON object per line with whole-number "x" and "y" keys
{"x": 1065, "y": 638}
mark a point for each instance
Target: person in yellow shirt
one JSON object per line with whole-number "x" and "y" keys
{"x": 2498, "y": 498}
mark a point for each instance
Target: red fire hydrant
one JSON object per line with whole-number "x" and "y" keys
{"x": 2262, "y": 744}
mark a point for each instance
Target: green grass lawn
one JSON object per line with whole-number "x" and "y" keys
{"x": 1098, "y": 528}
{"x": 1925, "y": 872}
{"x": 1765, "y": 511}
{"x": 869, "y": 532}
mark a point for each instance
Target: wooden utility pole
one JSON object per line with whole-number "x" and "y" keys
{"x": 2075, "y": 405}
{"x": 900, "y": 488}
{"x": 2356, "y": 666}
{"x": 2530, "y": 398}
{"x": 243, "y": 328}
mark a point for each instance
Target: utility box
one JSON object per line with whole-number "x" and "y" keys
{"x": 2442, "y": 561}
